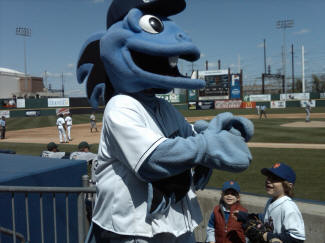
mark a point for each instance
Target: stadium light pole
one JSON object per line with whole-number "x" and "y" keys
{"x": 284, "y": 24}
{"x": 25, "y": 32}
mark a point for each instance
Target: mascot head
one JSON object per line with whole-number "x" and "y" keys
{"x": 138, "y": 51}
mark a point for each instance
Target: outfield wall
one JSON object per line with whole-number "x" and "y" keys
{"x": 313, "y": 214}
{"x": 50, "y": 106}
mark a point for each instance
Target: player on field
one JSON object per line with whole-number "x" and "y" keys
{"x": 60, "y": 123}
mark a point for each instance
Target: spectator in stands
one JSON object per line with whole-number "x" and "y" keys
{"x": 3, "y": 127}
{"x": 53, "y": 152}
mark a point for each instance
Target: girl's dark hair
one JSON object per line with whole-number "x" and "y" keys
{"x": 288, "y": 188}
{"x": 223, "y": 193}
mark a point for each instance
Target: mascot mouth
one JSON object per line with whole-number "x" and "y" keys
{"x": 166, "y": 66}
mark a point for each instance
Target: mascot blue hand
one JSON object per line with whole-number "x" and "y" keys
{"x": 244, "y": 126}
{"x": 226, "y": 121}
{"x": 225, "y": 147}
{"x": 200, "y": 126}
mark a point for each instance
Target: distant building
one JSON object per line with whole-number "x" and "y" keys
{"x": 14, "y": 83}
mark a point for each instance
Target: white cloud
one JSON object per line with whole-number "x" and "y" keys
{"x": 213, "y": 65}
{"x": 58, "y": 75}
{"x": 71, "y": 65}
{"x": 302, "y": 32}
{"x": 260, "y": 45}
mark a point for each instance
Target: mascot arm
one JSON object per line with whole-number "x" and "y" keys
{"x": 220, "y": 146}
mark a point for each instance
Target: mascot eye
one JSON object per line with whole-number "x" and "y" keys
{"x": 151, "y": 24}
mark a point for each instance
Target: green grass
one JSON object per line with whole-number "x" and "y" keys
{"x": 36, "y": 148}
{"x": 308, "y": 164}
{"x": 269, "y": 130}
{"x": 290, "y": 110}
{"x": 18, "y": 123}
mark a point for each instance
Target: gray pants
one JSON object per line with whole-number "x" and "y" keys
{"x": 98, "y": 235}
{"x": 307, "y": 114}
{"x": 3, "y": 132}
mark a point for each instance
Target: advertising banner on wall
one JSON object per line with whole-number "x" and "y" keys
{"x": 174, "y": 98}
{"x": 235, "y": 86}
{"x": 248, "y": 105}
{"x": 205, "y": 105}
{"x": 262, "y": 97}
{"x": 32, "y": 113}
{"x": 192, "y": 105}
{"x": 224, "y": 97}
{"x": 21, "y": 103}
{"x": 227, "y": 104}
{"x": 295, "y": 96}
{"x": 58, "y": 102}
{"x": 4, "y": 113}
{"x": 304, "y": 102}
{"x": 278, "y": 104}
{"x": 192, "y": 95}
{"x": 63, "y": 111}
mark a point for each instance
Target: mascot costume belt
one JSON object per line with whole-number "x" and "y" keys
{"x": 150, "y": 159}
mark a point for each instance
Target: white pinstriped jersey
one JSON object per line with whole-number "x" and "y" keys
{"x": 286, "y": 217}
{"x": 60, "y": 122}
{"x": 68, "y": 121}
{"x": 128, "y": 137}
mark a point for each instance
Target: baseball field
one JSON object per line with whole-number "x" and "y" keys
{"x": 283, "y": 136}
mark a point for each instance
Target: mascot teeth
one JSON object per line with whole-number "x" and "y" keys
{"x": 173, "y": 61}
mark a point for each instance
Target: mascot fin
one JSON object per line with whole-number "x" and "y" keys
{"x": 90, "y": 69}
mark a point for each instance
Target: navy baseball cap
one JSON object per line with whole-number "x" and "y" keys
{"x": 83, "y": 144}
{"x": 230, "y": 185}
{"x": 119, "y": 8}
{"x": 281, "y": 170}
{"x": 51, "y": 146}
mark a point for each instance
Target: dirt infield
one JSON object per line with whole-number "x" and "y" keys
{"x": 81, "y": 132}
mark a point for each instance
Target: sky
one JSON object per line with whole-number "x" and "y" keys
{"x": 231, "y": 31}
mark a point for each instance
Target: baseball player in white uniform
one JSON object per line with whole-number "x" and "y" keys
{"x": 60, "y": 123}
{"x": 308, "y": 109}
{"x": 68, "y": 122}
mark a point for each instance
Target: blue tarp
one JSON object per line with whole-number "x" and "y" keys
{"x": 18, "y": 170}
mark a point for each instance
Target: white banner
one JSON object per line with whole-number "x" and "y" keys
{"x": 262, "y": 97}
{"x": 303, "y": 103}
{"x": 58, "y": 102}
{"x": 174, "y": 98}
{"x": 294, "y": 96}
{"x": 223, "y": 97}
{"x": 226, "y": 104}
{"x": 278, "y": 104}
{"x": 4, "y": 113}
{"x": 322, "y": 95}
{"x": 21, "y": 103}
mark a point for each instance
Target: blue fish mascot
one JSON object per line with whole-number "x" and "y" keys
{"x": 150, "y": 159}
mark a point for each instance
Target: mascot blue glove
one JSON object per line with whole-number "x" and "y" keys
{"x": 150, "y": 159}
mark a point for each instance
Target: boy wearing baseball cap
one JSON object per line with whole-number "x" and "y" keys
{"x": 281, "y": 210}
{"x": 222, "y": 226}
{"x": 282, "y": 220}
